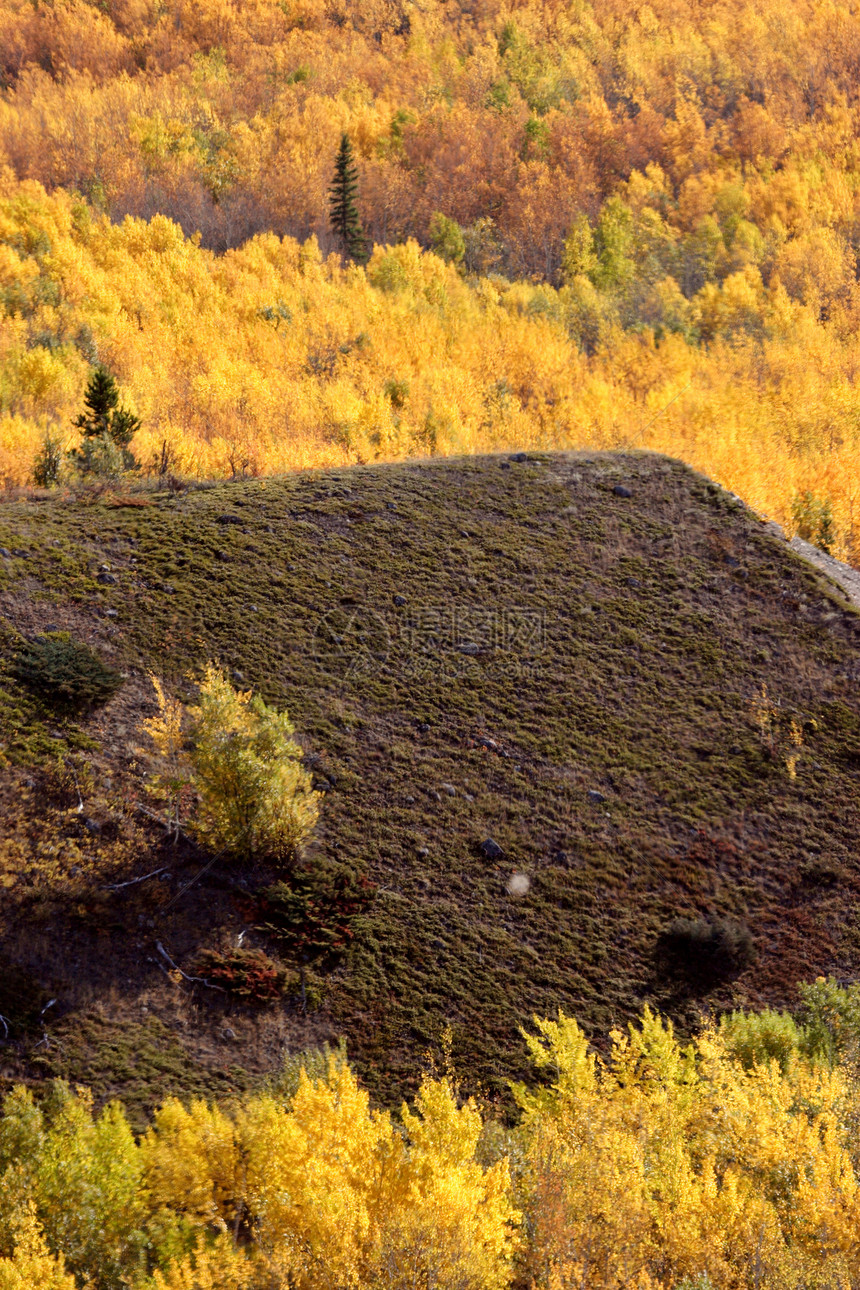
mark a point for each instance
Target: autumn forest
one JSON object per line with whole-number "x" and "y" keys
{"x": 591, "y": 226}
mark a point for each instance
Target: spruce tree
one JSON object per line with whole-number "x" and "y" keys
{"x": 106, "y": 427}
{"x": 343, "y": 210}
{"x": 103, "y": 415}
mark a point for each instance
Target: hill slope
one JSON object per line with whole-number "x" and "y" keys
{"x": 563, "y": 654}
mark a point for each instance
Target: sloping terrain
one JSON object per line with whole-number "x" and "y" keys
{"x": 563, "y": 654}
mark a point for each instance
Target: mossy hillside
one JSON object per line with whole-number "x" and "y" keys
{"x": 470, "y": 649}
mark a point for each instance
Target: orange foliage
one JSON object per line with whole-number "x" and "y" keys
{"x": 658, "y": 209}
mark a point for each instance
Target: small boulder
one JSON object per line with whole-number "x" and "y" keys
{"x": 491, "y": 850}
{"x": 107, "y": 579}
{"x": 594, "y": 796}
{"x": 620, "y": 491}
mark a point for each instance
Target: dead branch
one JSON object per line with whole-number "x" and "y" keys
{"x": 132, "y": 882}
{"x": 195, "y": 980}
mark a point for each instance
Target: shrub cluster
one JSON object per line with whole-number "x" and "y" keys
{"x": 249, "y": 975}
{"x": 313, "y": 911}
{"x": 256, "y": 798}
{"x": 725, "y": 1163}
{"x": 704, "y": 951}
{"x": 66, "y": 673}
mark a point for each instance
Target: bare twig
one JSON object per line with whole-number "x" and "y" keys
{"x": 170, "y": 827}
{"x": 44, "y": 1040}
{"x": 80, "y": 807}
{"x": 5, "y": 1024}
{"x": 195, "y": 980}
{"x": 118, "y": 886}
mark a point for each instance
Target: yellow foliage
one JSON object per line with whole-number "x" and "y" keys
{"x": 215, "y": 1265}
{"x": 32, "y": 1266}
{"x": 255, "y": 795}
{"x": 671, "y": 1162}
{"x": 270, "y": 357}
{"x": 328, "y": 1184}
{"x": 662, "y": 1164}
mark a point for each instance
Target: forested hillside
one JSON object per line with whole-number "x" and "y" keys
{"x": 605, "y": 226}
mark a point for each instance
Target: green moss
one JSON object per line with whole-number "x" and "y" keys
{"x": 613, "y": 651}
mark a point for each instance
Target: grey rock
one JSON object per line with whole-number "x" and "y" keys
{"x": 52, "y": 627}
{"x": 92, "y": 826}
{"x": 228, "y": 1033}
{"x": 491, "y": 850}
{"x": 21, "y": 554}
{"x": 112, "y": 613}
{"x": 470, "y": 648}
{"x": 449, "y": 789}
{"x": 6, "y": 553}
{"x": 519, "y": 456}
{"x": 422, "y": 851}
{"x": 391, "y": 506}
{"x": 229, "y": 519}
{"x": 620, "y": 491}
{"x": 224, "y": 556}
{"x": 107, "y": 579}
{"x": 399, "y": 601}
{"x": 594, "y": 796}
{"x": 238, "y": 677}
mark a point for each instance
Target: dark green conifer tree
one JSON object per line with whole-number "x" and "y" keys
{"x": 106, "y": 427}
{"x": 345, "y": 220}
{"x": 103, "y": 414}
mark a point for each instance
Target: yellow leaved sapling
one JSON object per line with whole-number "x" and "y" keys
{"x": 242, "y": 760}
